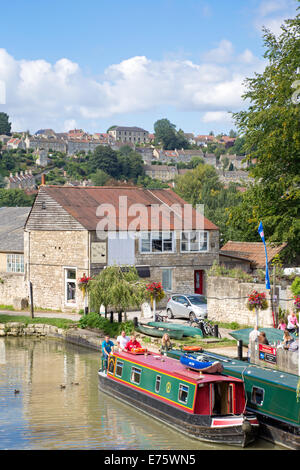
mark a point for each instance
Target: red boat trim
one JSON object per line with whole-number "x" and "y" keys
{"x": 158, "y": 397}
{"x": 225, "y": 422}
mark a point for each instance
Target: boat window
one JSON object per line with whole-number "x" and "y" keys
{"x": 183, "y": 393}
{"x": 111, "y": 365}
{"x": 119, "y": 368}
{"x": 136, "y": 375}
{"x": 157, "y": 383}
{"x": 257, "y": 395}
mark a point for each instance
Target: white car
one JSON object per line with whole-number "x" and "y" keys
{"x": 187, "y": 305}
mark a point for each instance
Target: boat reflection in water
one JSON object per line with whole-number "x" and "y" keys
{"x": 209, "y": 407}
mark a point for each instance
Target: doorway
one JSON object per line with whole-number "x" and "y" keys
{"x": 198, "y": 281}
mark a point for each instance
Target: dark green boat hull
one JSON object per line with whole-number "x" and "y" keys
{"x": 187, "y": 330}
{"x": 279, "y": 414}
{"x": 158, "y": 333}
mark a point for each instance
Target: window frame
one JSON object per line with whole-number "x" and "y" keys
{"x": 157, "y": 381}
{"x": 188, "y": 241}
{"x": 119, "y": 364}
{"x": 66, "y": 280}
{"x": 151, "y": 238}
{"x": 14, "y": 260}
{"x": 137, "y": 370}
{"x": 170, "y": 287}
{"x": 255, "y": 388}
{"x": 181, "y": 385}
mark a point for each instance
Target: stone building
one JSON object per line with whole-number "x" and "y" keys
{"x": 12, "y": 286}
{"x": 20, "y": 180}
{"x": 75, "y": 230}
{"x": 129, "y": 134}
{"x": 161, "y": 172}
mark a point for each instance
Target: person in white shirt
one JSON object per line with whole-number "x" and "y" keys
{"x": 253, "y": 336}
{"x": 122, "y": 340}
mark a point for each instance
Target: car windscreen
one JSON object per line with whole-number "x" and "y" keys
{"x": 197, "y": 300}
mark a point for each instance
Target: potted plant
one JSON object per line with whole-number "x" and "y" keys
{"x": 156, "y": 294}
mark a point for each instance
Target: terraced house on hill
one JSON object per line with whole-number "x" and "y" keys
{"x": 75, "y": 230}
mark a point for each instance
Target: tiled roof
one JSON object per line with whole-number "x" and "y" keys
{"x": 254, "y": 251}
{"x": 12, "y": 221}
{"x": 82, "y": 203}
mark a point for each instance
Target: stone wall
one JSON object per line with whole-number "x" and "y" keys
{"x": 47, "y": 255}
{"x": 226, "y": 302}
{"x": 13, "y": 290}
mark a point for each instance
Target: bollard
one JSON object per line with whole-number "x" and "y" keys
{"x": 135, "y": 322}
{"x": 120, "y": 317}
{"x": 216, "y": 331}
{"x": 240, "y": 349}
{"x": 86, "y": 310}
{"x": 111, "y": 317}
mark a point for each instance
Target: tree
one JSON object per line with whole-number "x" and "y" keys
{"x": 271, "y": 130}
{"x": 15, "y": 198}
{"x": 5, "y": 125}
{"x": 106, "y": 159}
{"x": 118, "y": 288}
{"x": 166, "y": 134}
{"x": 99, "y": 178}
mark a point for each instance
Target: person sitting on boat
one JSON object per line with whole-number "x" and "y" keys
{"x": 294, "y": 345}
{"x": 262, "y": 339}
{"x": 132, "y": 344}
{"x": 166, "y": 344}
{"x": 107, "y": 348}
{"x": 287, "y": 339}
{"x": 122, "y": 340}
{"x": 293, "y": 325}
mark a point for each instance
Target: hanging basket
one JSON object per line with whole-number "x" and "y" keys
{"x": 155, "y": 291}
{"x": 82, "y": 284}
{"x": 297, "y": 303}
{"x": 257, "y": 300}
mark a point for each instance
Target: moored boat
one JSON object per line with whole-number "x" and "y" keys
{"x": 158, "y": 332}
{"x": 273, "y": 335}
{"x": 187, "y": 330}
{"x": 271, "y": 394}
{"x": 208, "y": 407}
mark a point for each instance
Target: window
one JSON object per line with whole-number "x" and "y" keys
{"x": 257, "y": 395}
{"x": 70, "y": 286}
{"x": 157, "y": 383}
{"x": 183, "y": 393}
{"x": 156, "y": 242}
{"x": 119, "y": 368}
{"x": 15, "y": 263}
{"x": 194, "y": 241}
{"x": 136, "y": 375}
{"x": 167, "y": 279}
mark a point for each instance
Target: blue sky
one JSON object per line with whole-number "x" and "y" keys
{"x": 92, "y": 64}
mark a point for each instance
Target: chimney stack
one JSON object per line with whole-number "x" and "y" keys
{"x": 43, "y": 179}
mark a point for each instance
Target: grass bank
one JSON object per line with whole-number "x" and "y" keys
{"x": 58, "y": 322}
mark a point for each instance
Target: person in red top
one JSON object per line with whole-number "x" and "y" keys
{"x": 132, "y": 344}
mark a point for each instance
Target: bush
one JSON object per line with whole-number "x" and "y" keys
{"x": 94, "y": 320}
{"x": 219, "y": 270}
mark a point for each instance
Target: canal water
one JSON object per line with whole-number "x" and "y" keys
{"x": 49, "y": 399}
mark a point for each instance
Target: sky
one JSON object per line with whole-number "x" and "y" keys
{"x": 70, "y": 64}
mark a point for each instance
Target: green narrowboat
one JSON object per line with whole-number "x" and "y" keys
{"x": 270, "y": 393}
{"x": 208, "y": 407}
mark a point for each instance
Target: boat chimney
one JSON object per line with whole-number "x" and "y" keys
{"x": 43, "y": 182}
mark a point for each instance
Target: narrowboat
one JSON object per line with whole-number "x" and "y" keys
{"x": 270, "y": 393}
{"x": 187, "y": 330}
{"x": 273, "y": 335}
{"x": 158, "y": 332}
{"x": 208, "y": 407}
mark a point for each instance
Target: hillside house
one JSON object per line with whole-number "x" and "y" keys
{"x": 75, "y": 230}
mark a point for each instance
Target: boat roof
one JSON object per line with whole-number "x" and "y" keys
{"x": 247, "y": 369}
{"x": 173, "y": 367}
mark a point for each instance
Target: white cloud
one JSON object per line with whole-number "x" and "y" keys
{"x": 217, "y": 116}
{"x": 272, "y": 13}
{"x": 41, "y": 94}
